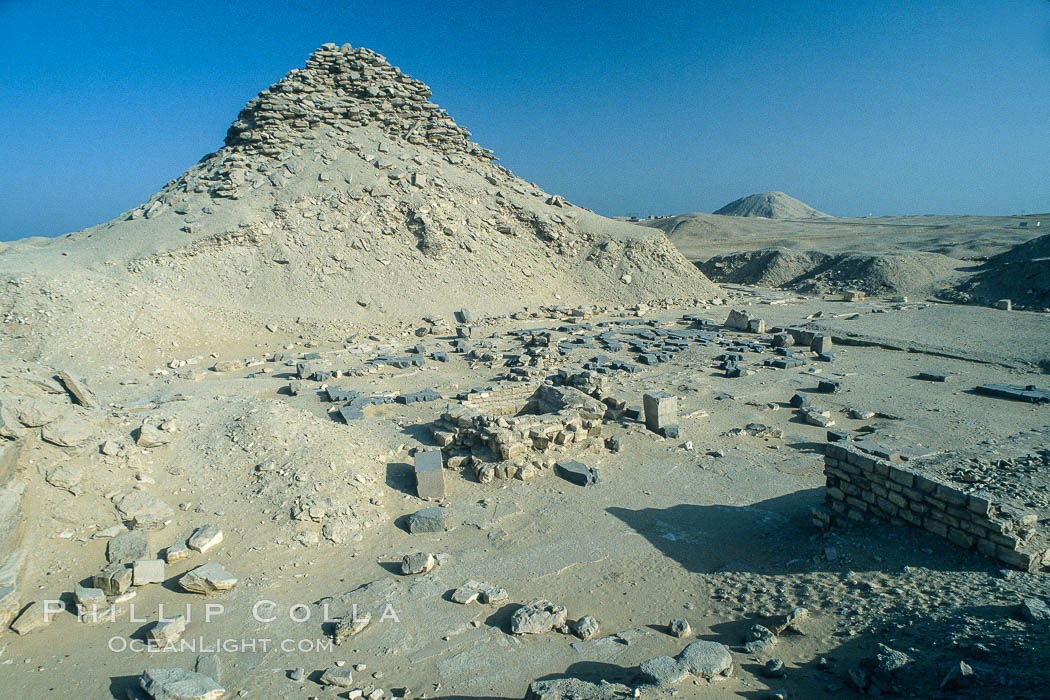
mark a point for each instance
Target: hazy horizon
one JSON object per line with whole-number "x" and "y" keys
{"x": 853, "y": 109}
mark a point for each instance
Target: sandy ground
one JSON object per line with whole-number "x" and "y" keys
{"x": 718, "y": 534}
{"x": 700, "y": 236}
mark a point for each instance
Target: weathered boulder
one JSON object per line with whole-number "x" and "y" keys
{"x": 537, "y": 617}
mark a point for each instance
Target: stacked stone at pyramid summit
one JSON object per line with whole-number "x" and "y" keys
{"x": 342, "y": 196}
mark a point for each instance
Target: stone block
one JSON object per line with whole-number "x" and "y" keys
{"x": 115, "y": 579}
{"x": 661, "y": 410}
{"x": 577, "y": 473}
{"x": 146, "y": 571}
{"x": 820, "y": 344}
{"x": 902, "y": 477}
{"x": 430, "y": 474}
{"x": 127, "y": 547}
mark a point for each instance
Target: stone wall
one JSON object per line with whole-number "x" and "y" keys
{"x": 862, "y": 487}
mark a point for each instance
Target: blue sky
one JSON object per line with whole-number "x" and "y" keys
{"x": 625, "y": 107}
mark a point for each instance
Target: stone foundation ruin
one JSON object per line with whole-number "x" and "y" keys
{"x": 512, "y": 431}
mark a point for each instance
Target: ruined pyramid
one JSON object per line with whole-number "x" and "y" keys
{"x": 342, "y": 197}
{"x": 770, "y": 205}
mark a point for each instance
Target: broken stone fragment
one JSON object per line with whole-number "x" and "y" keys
{"x": 208, "y": 664}
{"x": 9, "y": 427}
{"x": 70, "y": 431}
{"x": 35, "y": 413}
{"x": 706, "y": 659}
{"x": 204, "y": 538}
{"x": 418, "y": 563}
{"x": 1035, "y": 610}
{"x": 67, "y": 476}
{"x": 179, "y": 684}
{"x": 350, "y": 626}
{"x": 680, "y": 628}
{"x": 228, "y": 366}
{"x": 792, "y": 622}
{"x": 564, "y": 688}
{"x": 147, "y": 571}
{"x": 110, "y": 448}
{"x": 663, "y": 671}
{"x": 32, "y": 618}
{"x": 115, "y": 579}
{"x": 127, "y": 547}
{"x": 585, "y": 628}
{"x": 434, "y": 519}
{"x": 142, "y": 506}
{"x": 486, "y": 593}
{"x": 77, "y": 391}
{"x": 577, "y": 473}
{"x": 176, "y": 552}
{"x": 164, "y": 632}
{"x": 960, "y": 675}
{"x": 465, "y": 595}
{"x": 819, "y": 418}
{"x": 208, "y": 578}
{"x": 336, "y": 677}
{"x": 92, "y": 604}
{"x": 774, "y": 668}
{"x": 883, "y": 671}
{"x": 150, "y": 436}
{"x": 759, "y": 639}
{"x": 537, "y": 617}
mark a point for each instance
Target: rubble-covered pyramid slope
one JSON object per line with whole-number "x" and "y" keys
{"x": 341, "y": 194}
{"x": 770, "y": 205}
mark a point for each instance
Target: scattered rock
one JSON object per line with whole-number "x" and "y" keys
{"x": 204, "y": 538}
{"x": 150, "y": 436}
{"x": 537, "y": 617}
{"x": 208, "y": 578}
{"x": 147, "y": 571}
{"x": 350, "y": 626}
{"x": 774, "y": 668}
{"x": 418, "y": 563}
{"x": 337, "y": 677}
{"x": 127, "y": 547}
{"x": 143, "y": 507}
{"x": 680, "y": 628}
{"x": 960, "y": 675}
{"x": 585, "y": 628}
{"x": 791, "y": 622}
{"x": 32, "y": 618}
{"x": 35, "y": 413}
{"x": 70, "y": 431}
{"x": 486, "y": 593}
{"x": 575, "y": 689}
{"x": 165, "y": 632}
{"x": 759, "y": 639}
{"x": 706, "y": 659}
{"x": 179, "y": 684}
{"x": 176, "y": 552}
{"x": 433, "y": 519}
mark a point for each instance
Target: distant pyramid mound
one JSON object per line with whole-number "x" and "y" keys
{"x": 770, "y": 205}
{"x": 342, "y": 196}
